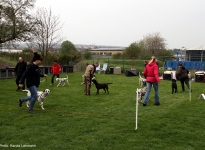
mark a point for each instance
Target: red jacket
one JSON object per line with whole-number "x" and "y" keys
{"x": 55, "y": 69}
{"x": 151, "y": 72}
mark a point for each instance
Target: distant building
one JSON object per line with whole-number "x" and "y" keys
{"x": 196, "y": 54}
{"x": 11, "y": 50}
{"x": 107, "y": 51}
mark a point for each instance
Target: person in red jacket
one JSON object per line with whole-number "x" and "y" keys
{"x": 152, "y": 78}
{"x": 55, "y": 70}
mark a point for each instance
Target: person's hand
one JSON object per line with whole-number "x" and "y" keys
{"x": 20, "y": 85}
{"x": 45, "y": 75}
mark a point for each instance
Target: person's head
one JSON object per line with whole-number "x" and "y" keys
{"x": 153, "y": 59}
{"x": 180, "y": 65}
{"x": 96, "y": 64}
{"x": 20, "y": 59}
{"x": 87, "y": 64}
{"x": 37, "y": 58}
{"x": 55, "y": 62}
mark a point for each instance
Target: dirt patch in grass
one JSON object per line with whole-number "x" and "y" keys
{"x": 3, "y": 65}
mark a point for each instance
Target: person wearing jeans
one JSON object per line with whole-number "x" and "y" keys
{"x": 33, "y": 90}
{"x": 152, "y": 79}
{"x": 149, "y": 86}
{"x": 32, "y": 76}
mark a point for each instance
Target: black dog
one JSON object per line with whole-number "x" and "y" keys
{"x": 174, "y": 86}
{"x": 99, "y": 86}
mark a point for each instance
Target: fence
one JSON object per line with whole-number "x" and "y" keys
{"x": 191, "y": 65}
{"x": 7, "y": 73}
{"x": 124, "y": 64}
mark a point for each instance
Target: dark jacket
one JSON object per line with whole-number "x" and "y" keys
{"x": 20, "y": 68}
{"x": 182, "y": 73}
{"x": 32, "y": 76}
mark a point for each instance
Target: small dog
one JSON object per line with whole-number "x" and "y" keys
{"x": 174, "y": 86}
{"x": 99, "y": 86}
{"x": 141, "y": 92}
{"x": 41, "y": 96}
{"x": 62, "y": 81}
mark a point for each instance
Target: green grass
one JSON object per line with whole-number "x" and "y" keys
{"x": 8, "y": 61}
{"x": 72, "y": 120}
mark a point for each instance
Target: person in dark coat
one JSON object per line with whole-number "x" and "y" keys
{"x": 182, "y": 74}
{"x": 18, "y": 71}
{"x": 32, "y": 76}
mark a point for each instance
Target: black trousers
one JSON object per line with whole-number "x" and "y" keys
{"x": 52, "y": 79}
{"x": 18, "y": 78}
{"x": 186, "y": 81}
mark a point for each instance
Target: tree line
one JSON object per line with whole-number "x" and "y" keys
{"x": 39, "y": 28}
{"x": 151, "y": 45}
{"x": 42, "y": 31}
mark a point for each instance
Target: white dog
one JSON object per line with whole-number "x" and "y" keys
{"x": 142, "y": 81}
{"x": 41, "y": 97}
{"x": 141, "y": 92}
{"x": 62, "y": 81}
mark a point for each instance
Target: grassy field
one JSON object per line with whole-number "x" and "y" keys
{"x": 74, "y": 121}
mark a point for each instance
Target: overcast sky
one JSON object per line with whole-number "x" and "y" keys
{"x": 122, "y": 22}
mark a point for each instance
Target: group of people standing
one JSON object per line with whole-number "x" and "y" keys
{"x": 151, "y": 74}
{"x": 31, "y": 73}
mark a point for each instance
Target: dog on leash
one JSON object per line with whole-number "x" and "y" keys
{"x": 174, "y": 86}
{"x": 41, "y": 97}
{"x": 141, "y": 92}
{"x": 62, "y": 81}
{"x": 99, "y": 86}
{"x": 142, "y": 81}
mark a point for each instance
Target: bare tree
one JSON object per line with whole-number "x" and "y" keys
{"x": 48, "y": 31}
{"x": 16, "y": 21}
{"x": 154, "y": 43}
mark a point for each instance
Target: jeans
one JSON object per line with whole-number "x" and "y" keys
{"x": 52, "y": 79}
{"x": 186, "y": 80}
{"x": 149, "y": 86}
{"x": 34, "y": 95}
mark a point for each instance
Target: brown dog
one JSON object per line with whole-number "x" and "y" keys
{"x": 99, "y": 86}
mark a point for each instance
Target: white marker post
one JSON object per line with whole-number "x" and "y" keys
{"x": 136, "y": 108}
{"x": 190, "y": 87}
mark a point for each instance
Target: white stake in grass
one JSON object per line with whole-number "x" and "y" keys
{"x": 136, "y": 108}
{"x": 190, "y": 87}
